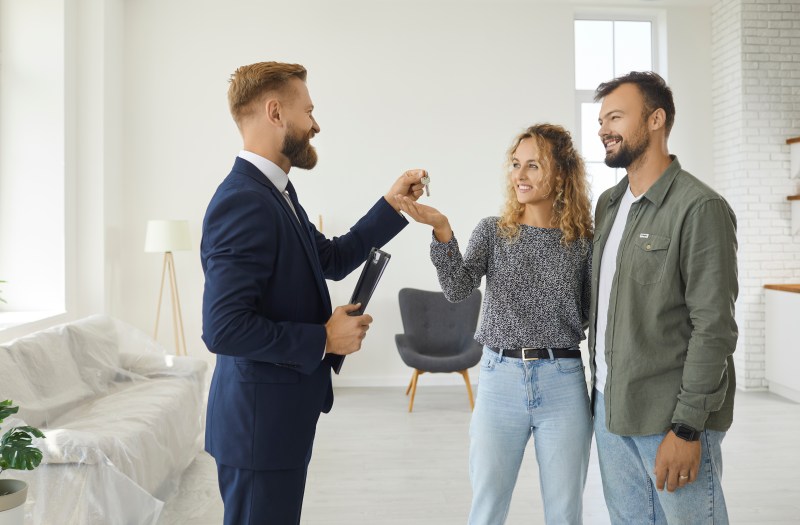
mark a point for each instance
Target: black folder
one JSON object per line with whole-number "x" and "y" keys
{"x": 367, "y": 282}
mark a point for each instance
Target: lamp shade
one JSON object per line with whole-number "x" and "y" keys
{"x": 167, "y": 236}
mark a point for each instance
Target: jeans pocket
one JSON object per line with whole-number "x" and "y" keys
{"x": 569, "y": 365}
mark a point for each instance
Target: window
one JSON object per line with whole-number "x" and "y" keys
{"x": 33, "y": 161}
{"x": 605, "y": 49}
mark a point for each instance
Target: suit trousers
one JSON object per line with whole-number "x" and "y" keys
{"x": 262, "y": 497}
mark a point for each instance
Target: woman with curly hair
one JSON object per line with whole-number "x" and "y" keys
{"x": 537, "y": 261}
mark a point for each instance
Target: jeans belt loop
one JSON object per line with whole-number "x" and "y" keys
{"x": 550, "y": 351}
{"x": 526, "y": 358}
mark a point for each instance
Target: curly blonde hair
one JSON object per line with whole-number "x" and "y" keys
{"x": 572, "y": 206}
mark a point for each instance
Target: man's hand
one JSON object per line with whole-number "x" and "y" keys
{"x": 408, "y": 185}
{"x": 677, "y": 462}
{"x": 346, "y": 332}
{"x": 426, "y": 215}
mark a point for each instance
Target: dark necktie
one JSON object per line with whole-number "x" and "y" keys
{"x": 291, "y": 199}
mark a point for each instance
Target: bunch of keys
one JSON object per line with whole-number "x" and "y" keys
{"x": 425, "y": 181}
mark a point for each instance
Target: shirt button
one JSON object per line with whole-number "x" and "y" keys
{"x": 647, "y": 247}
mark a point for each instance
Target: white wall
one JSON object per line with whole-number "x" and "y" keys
{"x": 95, "y": 149}
{"x": 756, "y": 82}
{"x": 689, "y": 68}
{"x": 440, "y": 85}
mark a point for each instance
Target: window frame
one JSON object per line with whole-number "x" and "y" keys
{"x": 658, "y": 61}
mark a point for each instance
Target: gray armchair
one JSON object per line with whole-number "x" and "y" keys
{"x": 438, "y": 335}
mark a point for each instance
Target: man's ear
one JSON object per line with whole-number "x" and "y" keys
{"x": 274, "y": 111}
{"x": 657, "y": 119}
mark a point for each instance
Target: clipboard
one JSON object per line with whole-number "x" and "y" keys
{"x": 367, "y": 282}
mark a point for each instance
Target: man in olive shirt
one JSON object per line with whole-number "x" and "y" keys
{"x": 662, "y": 326}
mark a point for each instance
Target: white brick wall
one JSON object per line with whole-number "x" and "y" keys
{"x": 756, "y": 93}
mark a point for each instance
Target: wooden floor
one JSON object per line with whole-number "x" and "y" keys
{"x": 374, "y": 463}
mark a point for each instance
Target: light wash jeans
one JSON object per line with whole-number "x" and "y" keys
{"x": 629, "y": 485}
{"x": 516, "y": 399}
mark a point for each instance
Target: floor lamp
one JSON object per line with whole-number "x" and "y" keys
{"x": 167, "y": 237}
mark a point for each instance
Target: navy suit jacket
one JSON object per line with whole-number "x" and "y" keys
{"x": 265, "y": 303}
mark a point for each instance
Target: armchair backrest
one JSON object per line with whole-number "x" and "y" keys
{"x": 443, "y": 326}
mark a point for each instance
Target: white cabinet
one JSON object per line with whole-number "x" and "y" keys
{"x": 782, "y": 352}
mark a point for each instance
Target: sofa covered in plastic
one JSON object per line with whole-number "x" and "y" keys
{"x": 122, "y": 420}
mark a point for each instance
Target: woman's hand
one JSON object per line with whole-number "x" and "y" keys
{"x": 426, "y": 215}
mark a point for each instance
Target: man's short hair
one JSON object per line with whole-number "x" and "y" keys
{"x": 655, "y": 92}
{"x": 249, "y": 84}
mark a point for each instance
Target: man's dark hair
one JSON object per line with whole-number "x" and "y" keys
{"x": 654, "y": 90}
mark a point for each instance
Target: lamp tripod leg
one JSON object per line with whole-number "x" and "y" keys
{"x": 160, "y": 295}
{"x": 180, "y": 337}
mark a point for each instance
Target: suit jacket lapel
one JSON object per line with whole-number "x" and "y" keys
{"x": 302, "y": 230}
{"x": 309, "y": 241}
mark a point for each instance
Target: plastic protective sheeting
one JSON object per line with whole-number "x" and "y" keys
{"x": 122, "y": 420}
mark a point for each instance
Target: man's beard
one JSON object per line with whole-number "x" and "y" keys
{"x": 629, "y": 152}
{"x": 298, "y": 149}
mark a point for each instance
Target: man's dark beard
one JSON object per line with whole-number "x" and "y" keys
{"x": 299, "y": 151}
{"x": 628, "y": 153}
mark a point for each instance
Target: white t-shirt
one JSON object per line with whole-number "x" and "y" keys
{"x": 608, "y": 267}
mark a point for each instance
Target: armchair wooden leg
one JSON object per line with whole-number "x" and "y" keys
{"x": 465, "y": 375}
{"x": 413, "y": 388}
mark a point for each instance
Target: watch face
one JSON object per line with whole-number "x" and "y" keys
{"x": 685, "y": 432}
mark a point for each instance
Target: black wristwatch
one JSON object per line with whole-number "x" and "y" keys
{"x": 686, "y": 432}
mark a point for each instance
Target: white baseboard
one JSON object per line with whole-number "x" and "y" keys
{"x": 785, "y": 391}
{"x": 401, "y": 381}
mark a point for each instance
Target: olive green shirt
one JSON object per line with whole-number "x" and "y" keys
{"x": 671, "y": 331}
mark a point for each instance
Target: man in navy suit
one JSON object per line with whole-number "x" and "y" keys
{"x": 267, "y": 313}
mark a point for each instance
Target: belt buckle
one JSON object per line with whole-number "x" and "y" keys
{"x": 524, "y": 358}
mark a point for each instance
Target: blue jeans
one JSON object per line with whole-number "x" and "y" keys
{"x": 547, "y": 399}
{"x": 627, "y": 464}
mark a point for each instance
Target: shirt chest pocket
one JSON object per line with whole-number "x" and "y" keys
{"x": 649, "y": 256}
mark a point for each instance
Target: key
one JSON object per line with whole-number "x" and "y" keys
{"x": 426, "y": 181}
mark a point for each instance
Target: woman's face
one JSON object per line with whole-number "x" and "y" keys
{"x": 530, "y": 179}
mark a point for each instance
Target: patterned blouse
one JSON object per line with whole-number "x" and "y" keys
{"x": 537, "y": 290}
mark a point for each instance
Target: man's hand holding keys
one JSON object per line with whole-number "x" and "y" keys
{"x": 411, "y": 184}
